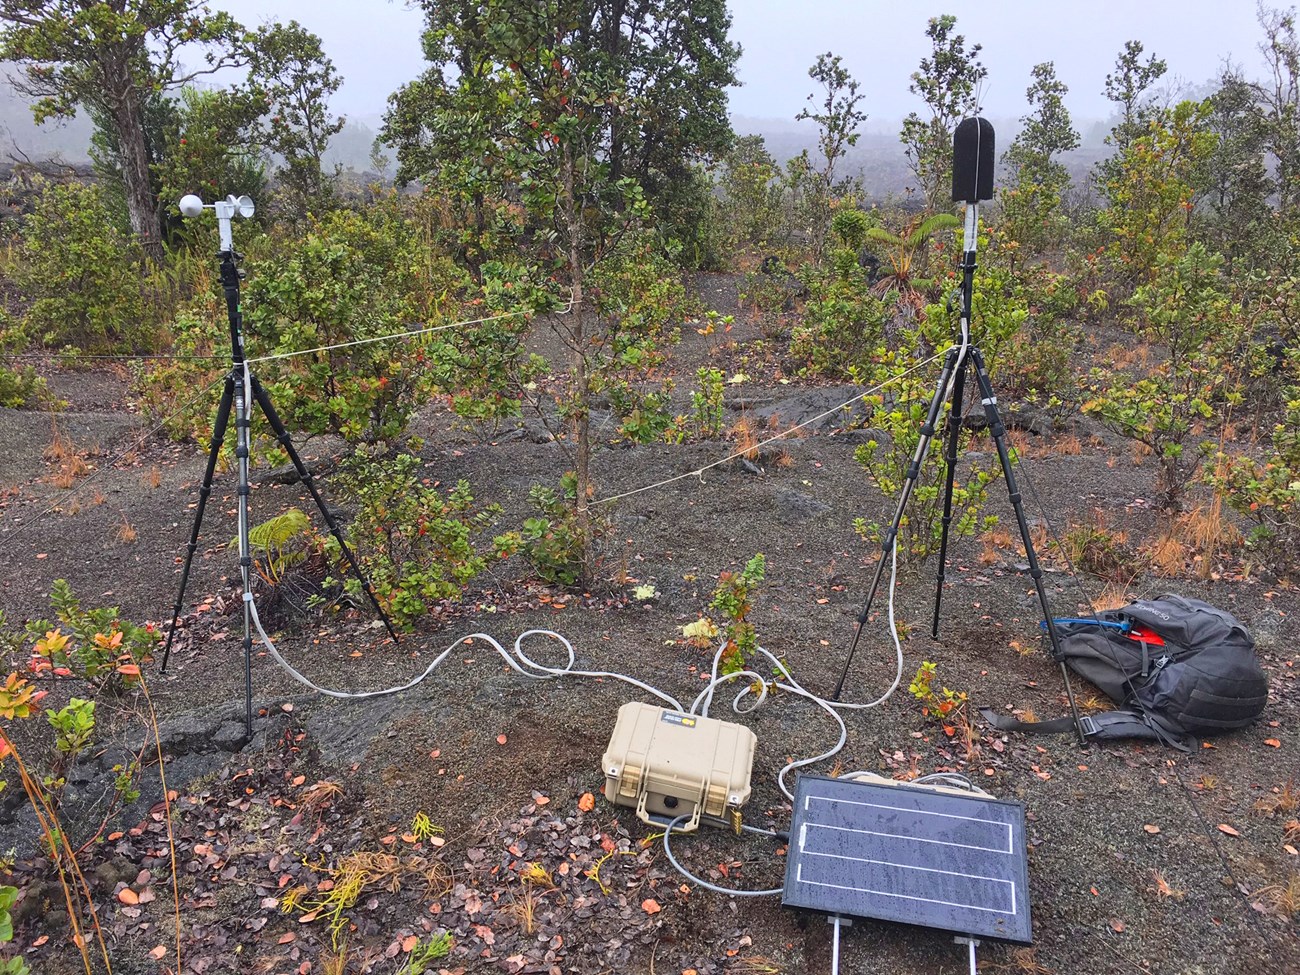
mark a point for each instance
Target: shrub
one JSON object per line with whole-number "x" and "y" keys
{"x": 1021, "y": 320}
{"x": 9, "y": 966}
{"x": 20, "y": 386}
{"x": 350, "y": 277}
{"x": 843, "y": 326}
{"x": 732, "y": 598}
{"x": 1186, "y": 309}
{"x": 643, "y": 299}
{"x": 1267, "y": 490}
{"x": 81, "y": 273}
{"x": 706, "y": 403}
{"x": 552, "y": 542}
{"x": 1151, "y": 190}
{"x": 751, "y": 195}
{"x": 850, "y": 226}
{"x": 414, "y": 542}
{"x": 899, "y": 417}
{"x": 99, "y": 647}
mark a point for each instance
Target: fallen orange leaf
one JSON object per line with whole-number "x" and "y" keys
{"x": 157, "y": 953}
{"x": 502, "y": 739}
{"x": 1272, "y": 743}
{"x": 1225, "y": 828}
{"x": 651, "y": 906}
{"x": 587, "y": 803}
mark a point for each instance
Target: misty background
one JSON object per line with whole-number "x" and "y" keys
{"x": 376, "y": 47}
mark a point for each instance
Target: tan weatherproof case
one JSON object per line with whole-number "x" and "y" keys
{"x": 667, "y": 764}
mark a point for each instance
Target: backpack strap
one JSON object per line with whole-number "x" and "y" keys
{"x": 1106, "y": 726}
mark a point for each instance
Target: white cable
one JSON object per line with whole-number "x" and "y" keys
{"x": 835, "y": 946}
{"x": 517, "y": 661}
{"x": 699, "y": 472}
{"x": 401, "y": 335}
{"x": 704, "y": 700}
{"x": 729, "y": 891}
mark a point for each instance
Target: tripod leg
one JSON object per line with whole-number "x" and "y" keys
{"x": 891, "y": 536}
{"x": 218, "y": 438}
{"x": 282, "y": 435}
{"x": 243, "y": 448}
{"x": 990, "y": 402}
{"x": 950, "y": 460}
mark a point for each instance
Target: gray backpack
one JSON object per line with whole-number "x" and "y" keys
{"x": 1178, "y": 667}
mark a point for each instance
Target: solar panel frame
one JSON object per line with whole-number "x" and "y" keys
{"x": 910, "y": 855}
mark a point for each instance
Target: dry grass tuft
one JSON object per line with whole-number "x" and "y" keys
{"x": 356, "y": 873}
{"x": 126, "y": 533}
{"x": 1113, "y": 595}
{"x": 70, "y": 469}
{"x": 995, "y": 543}
{"x": 755, "y": 965}
{"x": 70, "y": 459}
{"x": 1162, "y": 889}
{"x": 745, "y": 432}
{"x": 1019, "y": 440}
{"x": 1283, "y": 800}
{"x": 335, "y": 962}
{"x": 60, "y": 447}
{"x": 1168, "y": 555}
{"x": 1209, "y": 532}
{"x": 525, "y": 910}
{"x": 1283, "y": 898}
{"x": 1068, "y": 445}
{"x": 320, "y": 796}
{"x": 1094, "y": 703}
{"x": 153, "y": 479}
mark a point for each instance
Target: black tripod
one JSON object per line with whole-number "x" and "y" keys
{"x": 956, "y": 365}
{"x": 240, "y": 383}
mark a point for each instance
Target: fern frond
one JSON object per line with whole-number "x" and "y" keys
{"x": 268, "y": 540}
{"x": 929, "y": 226}
{"x": 884, "y": 236}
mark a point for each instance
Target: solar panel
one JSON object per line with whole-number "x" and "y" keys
{"x": 909, "y": 854}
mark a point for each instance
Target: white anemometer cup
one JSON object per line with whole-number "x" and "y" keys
{"x": 227, "y": 210}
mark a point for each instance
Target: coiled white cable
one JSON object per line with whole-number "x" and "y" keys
{"x": 517, "y": 660}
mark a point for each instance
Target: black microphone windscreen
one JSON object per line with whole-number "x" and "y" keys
{"x": 972, "y": 161}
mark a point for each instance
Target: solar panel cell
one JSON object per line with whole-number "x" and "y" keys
{"x": 909, "y": 854}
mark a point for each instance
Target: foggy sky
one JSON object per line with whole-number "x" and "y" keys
{"x": 376, "y": 46}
